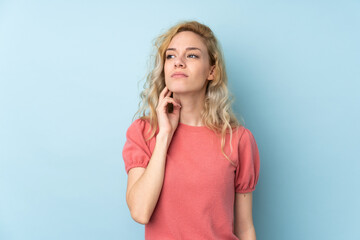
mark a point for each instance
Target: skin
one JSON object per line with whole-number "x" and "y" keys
{"x": 243, "y": 221}
{"x": 144, "y": 184}
{"x": 189, "y": 91}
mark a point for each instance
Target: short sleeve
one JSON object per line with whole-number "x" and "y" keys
{"x": 136, "y": 152}
{"x": 248, "y": 168}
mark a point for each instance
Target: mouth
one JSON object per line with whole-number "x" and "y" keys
{"x": 179, "y": 75}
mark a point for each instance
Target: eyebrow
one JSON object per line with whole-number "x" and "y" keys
{"x": 189, "y": 48}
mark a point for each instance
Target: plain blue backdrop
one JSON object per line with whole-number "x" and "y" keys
{"x": 69, "y": 86}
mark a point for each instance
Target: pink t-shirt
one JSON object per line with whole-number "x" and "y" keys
{"x": 198, "y": 193}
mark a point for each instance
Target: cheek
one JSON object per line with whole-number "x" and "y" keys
{"x": 206, "y": 69}
{"x": 202, "y": 71}
{"x": 166, "y": 69}
{"x": 166, "y": 72}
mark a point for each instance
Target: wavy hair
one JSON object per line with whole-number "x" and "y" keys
{"x": 217, "y": 114}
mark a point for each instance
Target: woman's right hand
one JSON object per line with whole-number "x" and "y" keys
{"x": 168, "y": 122}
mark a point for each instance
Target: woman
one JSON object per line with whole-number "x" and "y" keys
{"x": 191, "y": 165}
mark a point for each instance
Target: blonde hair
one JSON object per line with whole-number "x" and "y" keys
{"x": 217, "y": 114}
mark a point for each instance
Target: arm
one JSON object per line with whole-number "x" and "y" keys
{"x": 243, "y": 221}
{"x": 145, "y": 184}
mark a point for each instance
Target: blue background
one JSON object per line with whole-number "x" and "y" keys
{"x": 69, "y": 86}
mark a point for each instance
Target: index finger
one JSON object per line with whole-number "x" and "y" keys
{"x": 163, "y": 92}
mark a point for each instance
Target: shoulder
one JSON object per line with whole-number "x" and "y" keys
{"x": 238, "y": 131}
{"x": 243, "y": 135}
{"x": 246, "y": 133}
{"x": 139, "y": 127}
{"x": 139, "y": 123}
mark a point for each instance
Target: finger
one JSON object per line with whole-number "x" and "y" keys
{"x": 168, "y": 94}
{"x": 164, "y": 103}
{"x": 163, "y": 93}
{"x": 162, "y": 100}
{"x": 176, "y": 101}
{"x": 167, "y": 100}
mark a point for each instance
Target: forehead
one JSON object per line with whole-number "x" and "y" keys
{"x": 187, "y": 39}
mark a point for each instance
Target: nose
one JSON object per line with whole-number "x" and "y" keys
{"x": 179, "y": 62}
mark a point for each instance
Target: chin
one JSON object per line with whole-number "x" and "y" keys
{"x": 179, "y": 90}
{"x": 176, "y": 89}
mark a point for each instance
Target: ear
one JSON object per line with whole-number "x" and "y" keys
{"x": 211, "y": 75}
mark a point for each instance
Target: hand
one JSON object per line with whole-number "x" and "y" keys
{"x": 168, "y": 122}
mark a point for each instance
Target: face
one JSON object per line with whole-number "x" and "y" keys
{"x": 187, "y": 68}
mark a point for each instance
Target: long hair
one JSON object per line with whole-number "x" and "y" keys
{"x": 217, "y": 114}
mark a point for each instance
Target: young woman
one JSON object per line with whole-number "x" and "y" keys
{"x": 191, "y": 165}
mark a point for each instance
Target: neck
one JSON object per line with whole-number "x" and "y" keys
{"x": 191, "y": 106}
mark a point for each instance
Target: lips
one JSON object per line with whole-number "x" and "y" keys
{"x": 179, "y": 75}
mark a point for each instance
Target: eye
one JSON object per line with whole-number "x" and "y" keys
{"x": 169, "y": 56}
{"x": 193, "y": 56}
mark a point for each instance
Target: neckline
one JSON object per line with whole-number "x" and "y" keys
{"x": 192, "y": 128}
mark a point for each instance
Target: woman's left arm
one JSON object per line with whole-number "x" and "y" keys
{"x": 243, "y": 221}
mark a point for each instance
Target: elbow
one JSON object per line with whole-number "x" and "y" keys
{"x": 139, "y": 214}
{"x": 140, "y": 218}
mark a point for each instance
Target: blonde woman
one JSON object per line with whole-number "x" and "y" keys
{"x": 191, "y": 165}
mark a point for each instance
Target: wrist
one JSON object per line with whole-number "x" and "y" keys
{"x": 164, "y": 137}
